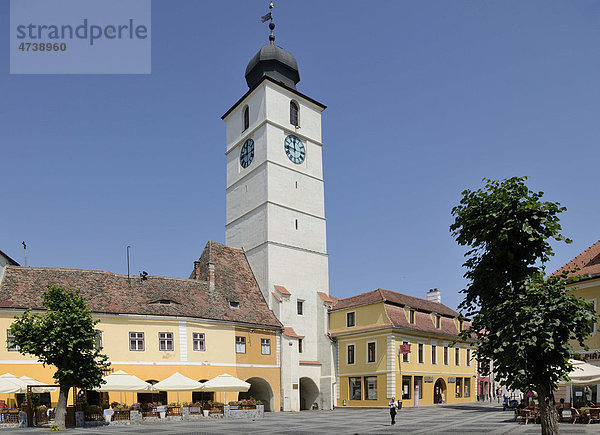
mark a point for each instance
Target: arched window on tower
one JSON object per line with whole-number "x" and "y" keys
{"x": 294, "y": 114}
{"x": 246, "y": 117}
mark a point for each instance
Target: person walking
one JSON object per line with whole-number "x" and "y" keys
{"x": 393, "y": 407}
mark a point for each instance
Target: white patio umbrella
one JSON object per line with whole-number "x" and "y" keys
{"x": 583, "y": 373}
{"x": 10, "y": 382}
{"x": 226, "y": 383}
{"x": 34, "y": 382}
{"x": 178, "y": 382}
{"x": 123, "y": 382}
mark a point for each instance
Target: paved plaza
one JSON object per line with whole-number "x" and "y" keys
{"x": 474, "y": 418}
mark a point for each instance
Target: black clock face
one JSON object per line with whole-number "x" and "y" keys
{"x": 247, "y": 153}
{"x": 294, "y": 148}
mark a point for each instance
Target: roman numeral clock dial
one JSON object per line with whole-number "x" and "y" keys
{"x": 247, "y": 153}
{"x": 294, "y": 148}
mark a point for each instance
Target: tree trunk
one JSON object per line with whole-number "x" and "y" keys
{"x": 61, "y": 407}
{"x": 548, "y": 411}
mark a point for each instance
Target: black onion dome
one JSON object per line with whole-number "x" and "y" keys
{"x": 275, "y": 62}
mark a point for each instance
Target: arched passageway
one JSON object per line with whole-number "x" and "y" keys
{"x": 309, "y": 392}
{"x": 260, "y": 390}
{"x": 439, "y": 391}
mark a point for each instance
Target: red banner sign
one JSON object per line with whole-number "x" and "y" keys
{"x": 404, "y": 349}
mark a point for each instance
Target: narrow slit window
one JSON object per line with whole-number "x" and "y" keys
{"x": 246, "y": 118}
{"x": 296, "y": 223}
{"x": 294, "y": 114}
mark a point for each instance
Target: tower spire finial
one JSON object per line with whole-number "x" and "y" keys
{"x": 269, "y": 17}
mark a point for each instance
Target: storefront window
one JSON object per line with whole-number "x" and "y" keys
{"x": 584, "y": 394}
{"x": 458, "y": 387}
{"x": 355, "y": 393}
{"x": 467, "y": 387}
{"x": 406, "y": 390}
{"x": 419, "y": 384}
{"x": 370, "y": 387}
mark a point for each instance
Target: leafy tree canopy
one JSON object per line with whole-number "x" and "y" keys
{"x": 523, "y": 322}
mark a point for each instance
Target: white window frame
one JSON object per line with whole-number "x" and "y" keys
{"x": 446, "y": 355}
{"x": 468, "y": 357}
{"x": 405, "y": 341}
{"x": 367, "y": 352}
{"x": 420, "y": 346}
{"x": 242, "y": 344}
{"x": 98, "y": 340}
{"x": 166, "y": 338}
{"x": 200, "y": 339}
{"x": 457, "y": 356}
{"x": 434, "y": 358}
{"x": 137, "y": 339}
{"x": 8, "y": 347}
{"x": 354, "y": 353}
{"x": 264, "y": 344}
{"x": 300, "y": 307}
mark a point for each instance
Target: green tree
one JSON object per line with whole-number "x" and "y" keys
{"x": 64, "y": 336}
{"x": 522, "y": 321}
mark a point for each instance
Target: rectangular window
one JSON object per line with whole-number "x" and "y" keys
{"x": 445, "y": 355}
{"x": 458, "y": 387}
{"x": 438, "y": 321}
{"x": 98, "y": 340}
{"x": 299, "y": 345}
{"x": 467, "y": 387}
{"x": 165, "y": 341}
{"x": 350, "y": 319}
{"x": 421, "y": 354}
{"x": 406, "y": 390}
{"x": 405, "y": 355}
{"x": 199, "y": 343}
{"x": 433, "y": 354}
{"x": 136, "y": 341}
{"x": 265, "y": 346}
{"x": 457, "y": 356}
{"x": 350, "y": 353}
{"x": 371, "y": 352}
{"x": 355, "y": 393}
{"x": 9, "y": 344}
{"x": 370, "y": 387}
{"x": 419, "y": 386}
{"x": 411, "y": 316}
{"x": 240, "y": 344}
{"x": 468, "y": 358}
{"x": 300, "y": 307}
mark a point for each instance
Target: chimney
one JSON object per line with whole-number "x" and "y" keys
{"x": 434, "y": 295}
{"x": 211, "y": 277}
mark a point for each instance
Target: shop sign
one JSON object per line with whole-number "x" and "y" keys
{"x": 404, "y": 349}
{"x": 428, "y": 378}
{"x": 451, "y": 380}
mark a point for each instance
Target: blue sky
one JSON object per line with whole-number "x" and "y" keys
{"x": 425, "y": 99}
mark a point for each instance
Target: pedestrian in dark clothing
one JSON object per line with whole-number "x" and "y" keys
{"x": 393, "y": 407}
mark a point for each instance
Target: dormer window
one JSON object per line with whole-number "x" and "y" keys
{"x": 164, "y": 302}
{"x": 294, "y": 114}
{"x": 246, "y": 118}
{"x": 411, "y": 316}
{"x": 233, "y": 304}
{"x": 460, "y": 325}
{"x": 438, "y": 322}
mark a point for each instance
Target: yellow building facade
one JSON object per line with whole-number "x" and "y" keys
{"x": 213, "y": 323}
{"x": 394, "y": 345}
{"x": 587, "y": 288}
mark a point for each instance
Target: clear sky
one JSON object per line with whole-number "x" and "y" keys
{"x": 425, "y": 99}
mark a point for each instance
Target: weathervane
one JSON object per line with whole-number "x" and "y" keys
{"x": 268, "y": 17}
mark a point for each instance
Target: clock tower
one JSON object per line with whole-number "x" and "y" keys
{"x": 276, "y": 213}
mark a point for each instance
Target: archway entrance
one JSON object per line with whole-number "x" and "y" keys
{"x": 308, "y": 394}
{"x": 260, "y": 390}
{"x": 439, "y": 391}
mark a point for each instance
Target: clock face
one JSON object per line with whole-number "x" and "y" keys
{"x": 294, "y": 148}
{"x": 247, "y": 153}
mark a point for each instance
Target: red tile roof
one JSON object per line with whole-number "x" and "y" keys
{"x": 328, "y": 298}
{"x": 588, "y": 261}
{"x": 423, "y": 321}
{"x": 382, "y": 295}
{"x": 310, "y": 363}
{"x": 276, "y": 297}
{"x": 281, "y": 289}
{"x": 289, "y": 331}
{"x": 106, "y": 292}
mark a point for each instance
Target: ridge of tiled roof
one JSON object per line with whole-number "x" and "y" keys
{"x": 107, "y": 292}
{"x": 383, "y": 295}
{"x": 588, "y": 262}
